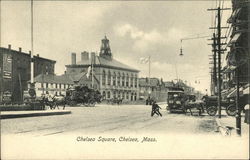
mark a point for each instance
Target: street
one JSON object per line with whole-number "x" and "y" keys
{"x": 90, "y": 131}
{"x": 110, "y": 119}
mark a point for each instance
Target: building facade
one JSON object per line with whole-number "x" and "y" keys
{"x": 238, "y": 61}
{"x": 114, "y": 78}
{"x": 58, "y": 84}
{"x": 15, "y": 71}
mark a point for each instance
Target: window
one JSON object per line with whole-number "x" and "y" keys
{"x": 60, "y": 86}
{"x": 127, "y": 95}
{"x": 56, "y": 85}
{"x": 127, "y": 79}
{"x": 131, "y": 81}
{"x": 47, "y": 85}
{"x": 135, "y": 82}
{"x": 41, "y": 85}
{"x": 123, "y": 79}
{"x": 104, "y": 95}
{"x": 108, "y": 94}
{"x": 114, "y": 79}
{"x": 64, "y": 86}
{"x": 51, "y": 85}
{"x": 118, "y": 79}
{"x": 109, "y": 78}
{"x": 103, "y": 77}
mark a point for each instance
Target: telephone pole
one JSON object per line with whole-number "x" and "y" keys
{"x": 214, "y": 63}
{"x": 219, "y": 51}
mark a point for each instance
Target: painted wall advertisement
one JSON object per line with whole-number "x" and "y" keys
{"x": 7, "y": 66}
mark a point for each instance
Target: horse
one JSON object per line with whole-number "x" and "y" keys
{"x": 193, "y": 104}
{"x": 59, "y": 100}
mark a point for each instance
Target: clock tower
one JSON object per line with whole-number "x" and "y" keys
{"x": 105, "y": 50}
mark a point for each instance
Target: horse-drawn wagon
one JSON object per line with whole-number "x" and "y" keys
{"x": 82, "y": 95}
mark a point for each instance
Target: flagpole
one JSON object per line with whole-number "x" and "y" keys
{"x": 149, "y": 61}
{"x": 92, "y": 73}
{"x": 32, "y": 49}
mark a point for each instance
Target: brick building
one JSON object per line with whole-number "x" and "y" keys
{"x": 238, "y": 56}
{"x": 115, "y": 78}
{"x": 15, "y": 71}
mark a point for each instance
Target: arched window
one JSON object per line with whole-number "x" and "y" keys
{"x": 114, "y": 79}
{"x": 108, "y": 96}
{"x": 104, "y": 95}
{"x": 103, "y": 77}
{"x": 119, "y": 79}
{"x": 127, "y": 79}
{"x": 123, "y": 95}
{"x": 109, "y": 78}
{"x": 123, "y": 79}
{"x": 135, "y": 96}
{"x": 131, "y": 96}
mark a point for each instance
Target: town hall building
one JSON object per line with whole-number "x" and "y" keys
{"x": 115, "y": 78}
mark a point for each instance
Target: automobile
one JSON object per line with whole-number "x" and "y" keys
{"x": 176, "y": 101}
{"x": 211, "y": 103}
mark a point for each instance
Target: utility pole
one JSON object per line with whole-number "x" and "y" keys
{"x": 219, "y": 60}
{"x": 219, "y": 50}
{"x": 214, "y": 63}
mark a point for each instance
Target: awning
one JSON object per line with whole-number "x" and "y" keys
{"x": 229, "y": 69}
{"x": 246, "y": 90}
{"x": 234, "y": 39}
{"x": 233, "y": 93}
{"x": 234, "y": 14}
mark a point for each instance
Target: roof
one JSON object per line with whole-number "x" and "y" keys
{"x": 25, "y": 54}
{"x": 61, "y": 79}
{"x": 168, "y": 84}
{"x": 145, "y": 81}
{"x": 50, "y": 78}
{"x": 113, "y": 63}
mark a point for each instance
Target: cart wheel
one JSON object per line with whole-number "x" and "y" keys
{"x": 92, "y": 104}
{"x": 211, "y": 111}
{"x": 231, "y": 110}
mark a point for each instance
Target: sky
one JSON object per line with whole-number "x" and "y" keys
{"x": 135, "y": 29}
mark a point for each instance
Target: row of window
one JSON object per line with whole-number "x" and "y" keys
{"x": 120, "y": 80}
{"x": 123, "y": 95}
{"x": 60, "y": 86}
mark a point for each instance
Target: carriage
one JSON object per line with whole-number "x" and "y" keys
{"x": 80, "y": 94}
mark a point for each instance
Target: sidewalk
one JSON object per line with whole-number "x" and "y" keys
{"x": 20, "y": 114}
{"x": 226, "y": 122}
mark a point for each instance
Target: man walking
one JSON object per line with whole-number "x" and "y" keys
{"x": 155, "y": 109}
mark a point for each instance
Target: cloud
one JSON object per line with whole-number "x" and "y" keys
{"x": 146, "y": 40}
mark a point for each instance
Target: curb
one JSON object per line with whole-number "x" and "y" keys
{"x": 34, "y": 114}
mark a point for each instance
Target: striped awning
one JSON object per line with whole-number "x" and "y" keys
{"x": 234, "y": 39}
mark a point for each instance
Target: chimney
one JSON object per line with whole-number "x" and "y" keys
{"x": 9, "y": 46}
{"x": 37, "y": 55}
{"x": 20, "y": 49}
{"x": 73, "y": 58}
{"x": 84, "y": 56}
{"x": 29, "y": 52}
{"x": 93, "y": 57}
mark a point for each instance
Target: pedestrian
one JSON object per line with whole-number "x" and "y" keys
{"x": 155, "y": 109}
